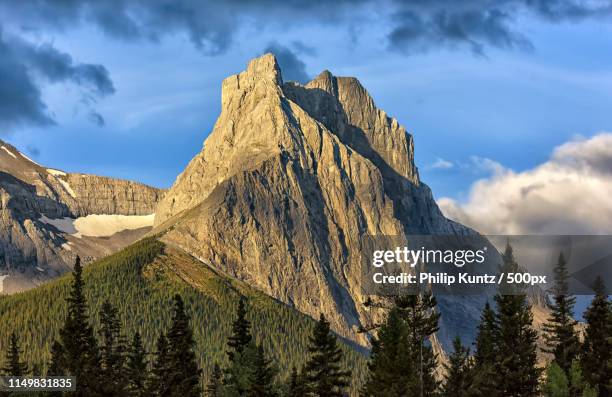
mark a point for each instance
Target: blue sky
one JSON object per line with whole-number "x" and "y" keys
{"x": 511, "y": 99}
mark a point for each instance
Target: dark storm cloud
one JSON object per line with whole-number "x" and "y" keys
{"x": 410, "y": 26}
{"x": 23, "y": 65}
{"x": 421, "y": 25}
{"x": 292, "y": 68}
{"x": 210, "y": 25}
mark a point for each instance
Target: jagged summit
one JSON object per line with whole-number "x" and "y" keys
{"x": 288, "y": 183}
{"x": 258, "y": 121}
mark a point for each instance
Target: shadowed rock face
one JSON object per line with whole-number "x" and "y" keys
{"x": 289, "y": 182}
{"x": 32, "y": 251}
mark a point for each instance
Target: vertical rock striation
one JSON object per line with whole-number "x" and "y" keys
{"x": 290, "y": 181}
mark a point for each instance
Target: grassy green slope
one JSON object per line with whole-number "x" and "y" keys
{"x": 141, "y": 281}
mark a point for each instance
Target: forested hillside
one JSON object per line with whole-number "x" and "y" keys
{"x": 140, "y": 281}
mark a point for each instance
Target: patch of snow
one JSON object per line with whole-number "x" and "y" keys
{"x": 29, "y": 159}
{"x": 65, "y": 225}
{"x": 2, "y": 282}
{"x": 67, "y": 187}
{"x": 99, "y": 225}
{"x": 67, "y": 246}
{"x": 40, "y": 269}
{"x": 8, "y": 151}
{"x": 56, "y": 172}
{"x": 107, "y": 225}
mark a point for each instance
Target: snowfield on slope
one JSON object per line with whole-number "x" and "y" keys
{"x": 99, "y": 225}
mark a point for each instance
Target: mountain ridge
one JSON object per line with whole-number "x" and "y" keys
{"x": 40, "y": 208}
{"x": 288, "y": 183}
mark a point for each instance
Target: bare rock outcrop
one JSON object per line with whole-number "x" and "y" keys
{"x": 33, "y": 198}
{"x": 290, "y": 181}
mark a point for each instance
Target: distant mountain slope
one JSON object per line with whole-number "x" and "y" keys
{"x": 290, "y": 182}
{"x": 39, "y": 206}
{"x": 141, "y": 281}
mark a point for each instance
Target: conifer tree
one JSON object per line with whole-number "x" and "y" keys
{"x": 136, "y": 368}
{"x": 458, "y": 379}
{"x": 485, "y": 338}
{"x": 184, "y": 372}
{"x": 571, "y": 384}
{"x": 389, "y": 368}
{"x": 241, "y": 331}
{"x": 323, "y": 370}
{"x": 516, "y": 366}
{"x": 112, "y": 352}
{"x": 214, "y": 385}
{"x": 596, "y": 357}
{"x": 158, "y": 384}
{"x": 485, "y": 355}
{"x": 79, "y": 349}
{"x": 560, "y": 332}
{"x": 241, "y": 372}
{"x": 14, "y": 366}
{"x": 264, "y": 374}
{"x": 418, "y": 311}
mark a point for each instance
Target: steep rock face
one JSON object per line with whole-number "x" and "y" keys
{"x": 287, "y": 185}
{"x": 102, "y": 195}
{"x": 32, "y": 250}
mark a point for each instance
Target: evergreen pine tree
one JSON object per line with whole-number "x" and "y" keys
{"x": 596, "y": 357}
{"x": 485, "y": 338}
{"x": 324, "y": 372}
{"x": 112, "y": 352}
{"x": 80, "y": 356}
{"x": 571, "y": 384}
{"x": 241, "y": 331}
{"x": 136, "y": 368}
{"x": 184, "y": 372}
{"x": 458, "y": 379}
{"x": 389, "y": 368}
{"x": 264, "y": 374}
{"x": 214, "y": 385}
{"x": 516, "y": 366}
{"x": 556, "y": 384}
{"x": 560, "y": 332}
{"x": 14, "y": 366}
{"x": 241, "y": 372}
{"x": 418, "y": 311}
{"x": 485, "y": 355}
{"x": 158, "y": 384}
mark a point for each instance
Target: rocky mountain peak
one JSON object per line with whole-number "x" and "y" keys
{"x": 289, "y": 182}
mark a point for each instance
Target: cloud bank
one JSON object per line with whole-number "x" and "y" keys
{"x": 24, "y": 65}
{"x": 407, "y": 26}
{"x": 568, "y": 194}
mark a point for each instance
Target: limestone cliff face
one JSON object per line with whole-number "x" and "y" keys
{"x": 289, "y": 182}
{"x": 32, "y": 250}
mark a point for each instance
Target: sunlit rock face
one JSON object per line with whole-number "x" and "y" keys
{"x": 287, "y": 185}
{"x": 36, "y": 202}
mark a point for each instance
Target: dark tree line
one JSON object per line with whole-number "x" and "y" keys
{"x": 250, "y": 372}
{"x": 504, "y": 362}
{"x": 110, "y": 366}
{"x": 402, "y": 362}
{"x": 106, "y": 363}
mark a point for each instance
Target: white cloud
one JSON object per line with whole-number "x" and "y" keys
{"x": 571, "y": 193}
{"x": 442, "y": 164}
